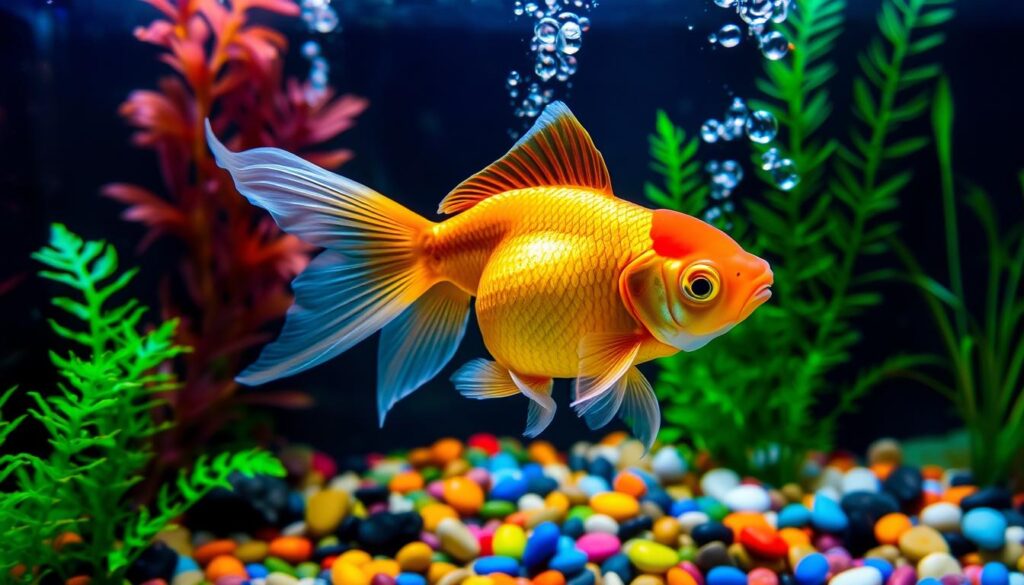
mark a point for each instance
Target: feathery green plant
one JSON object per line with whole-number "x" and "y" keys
{"x": 750, "y": 397}
{"x": 100, "y": 425}
{"x": 984, "y": 351}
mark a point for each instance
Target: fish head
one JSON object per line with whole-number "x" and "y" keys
{"x": 695, "y": 283}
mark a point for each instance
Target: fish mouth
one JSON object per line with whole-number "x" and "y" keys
{"x": 760, "y": 297}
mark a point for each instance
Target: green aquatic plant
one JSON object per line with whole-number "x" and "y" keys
{"x": 71, "y": 511}
{"x": 984, "y": 349}
{"x": 755, "y": 399}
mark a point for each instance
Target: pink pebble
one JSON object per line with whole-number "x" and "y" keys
{"x": 436, "y": 489}
{"x": 904, "y": 575}
{"x": 382, "y": 579}
{"x": 693, "y": 570}
{"x": 838, "y": 560}
{"x": 953, "y": 580}
{"x": 431, "y": 540}
{"x": 492, "y": 525}
{"x": 231, "y": 580}
{"x": 762, "y": 576}
{"x": 973, "y": 574}
{"x": 826, "y": 541}
{"x": 324, "y": 465}
{"x": 377, "y": 508}
{"x": 598, "y": 546}
{"x": 480, "y": 476}
{"x": 475, "y": 530}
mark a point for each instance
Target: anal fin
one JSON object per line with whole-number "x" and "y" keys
{"x": 483, "y": 379}
{"x": 633, "y": 400}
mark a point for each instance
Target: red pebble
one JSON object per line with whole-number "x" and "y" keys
{"x": 763, "y": 542}
{"x": 486, "y": 544}
{"x": 324, "y": 465}
{"x": 486, "y": 442}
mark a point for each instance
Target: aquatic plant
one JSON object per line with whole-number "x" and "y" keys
{"x": 984, "y": 351}
{"x": 73, "y": 508}
{"x": 750, "y": 399}
{"x": 235, "y": 263}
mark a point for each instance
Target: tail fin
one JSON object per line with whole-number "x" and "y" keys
{"x": 370, "y": 273}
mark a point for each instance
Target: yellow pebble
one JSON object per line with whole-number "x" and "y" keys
{"x": 647, "y": 580}
{"x": 618, "y": 506}
{"x": 478, "y": 580}
{"x": 253, "y": 551}
{"x": 414, "y": 557}
{"x": 433, "y": 514}
{"x": 438, "y": 570}
{"x": 354, "y": 557}
{"x": 347, "y": 574}
{"x": 557, "y": 501}
{"x": 381, "y": 567}
{"x": 325, "y": 510}
{"x": 667, "y": 531}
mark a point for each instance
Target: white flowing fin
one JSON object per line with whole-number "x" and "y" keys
{"x": 633, "y": 400}
{"x": 482, "y": 379}
{"x": 542, "y": 407}
{"x": 604, "y": 358}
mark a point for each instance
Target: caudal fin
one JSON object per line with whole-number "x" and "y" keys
{"x": 370, "y": 273}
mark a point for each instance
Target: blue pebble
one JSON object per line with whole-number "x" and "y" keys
{"x": 583, "y": 578}
{"x": 827, "y": 516}
{"x": 620, "y": 565}
{"x": 185, "y": 564}
{"x": 985, "y": 527}
{"x": 509, "y": 489}
{"x": 995, "y": 574}
{"x": 601, "y": 467}
{"x": 532, "y": 470}
{"x": 680, "y": 507}
{"x": 256, "y": 571}
{"x": 496, "y": 564}
{"x": 566, "y": 543}
{"x": 592, "y": 484}
{"x": 542, "y": 485}
{"x": 541, "y": 544}
{"x": 296, "y": 503}
{"x": 576, "y": 462}
{"x": 410, "y": 579}
{"x": 573, "y": 528}
{"x": 929, "y": 581}
{"x": 503, "y": 461}
{"x": 658, "y": 497}
{"x": 569, "y": 562}
{"x": 725, "y": 575}
{"x": 794, "y": 516}
{"x": 811, "y": 570}
{"x": 500, "y": 475}
{"x": 884, "y": 567}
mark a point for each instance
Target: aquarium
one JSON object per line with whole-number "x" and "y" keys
{"x": 512, "y": 292}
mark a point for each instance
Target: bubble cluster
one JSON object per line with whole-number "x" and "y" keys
{"x": 759, "y": 126}
{"x": 756, "y": 15}
{"x": 557, "y": 37}
{"x": 782, "y": 170}
{"x": 320, "y": 17}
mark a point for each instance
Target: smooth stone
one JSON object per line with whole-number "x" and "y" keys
{"x": 712, "y": 532}
{"x": 158, "y": 561}
{"x": 762, "y": 576}
{"x": 860, "y": 479}
{"x": 509, "y": 540}
{"x": 920, "y": 541}
{"x": 691, "y": 519}
{"x": 858, "y": 576}
{"x": 617, "y": 505}
{"x": 995, "y": 574}
{"x": 711, "y": 555}
{"x": 599, "y": 546}
{"x": 885, "y": 451}
{"x": 601, "y": 523}
{"x": 568, "y": 562}
{"x": 582, "y": 578}
{"x": 958, "y": 544}
{"x": 905, "y": 484}
{"x": 325, "y": 511}
{"x": 998, "y": 498}
{"x": 668, "y": 465}
{"x": 610, "y": 578}
{"x": 497, "y": 509}
{"x": 634, "y": 527}
{"x": 281, "y": 579}
{"x": 188, "y": 578}
{"x": 667, "y": 530}
{"x": 414, "y": 557}
{"x": 620, "y": 565}
{"x": 863, "y": 510}
{"x": 723, "y": 575}
{"x": 763, "y": 542}
{"x": 541, "y": 544}
{"x": 509, "y": 489}
{"x": 793, "y": 516}
{"x": 387, "y": 532}
{"x": 573, "y": 528}
{"x": 718, "y": 482}
{"x": 942, "y": 516}
{"x": 647, "y": 580}
{"x": 747, "y": 498}
{"x": 496, "y": 564}
{"x": 410, "y": 579}
{"x": 651, "y": 557}
{"x": 938, "y": 565}
{"x": 457, "y": 540}
{"x": 985, "y": 527}
{"x": 811, "y": 570}
{"x": 903, "y": 575}
{"x": 827, "y": 515}
{"x": 884, "y": 567}
{"x": 528, "y": 502}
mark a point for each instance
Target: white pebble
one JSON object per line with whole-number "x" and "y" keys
{"x": 938, "y": 565}
{"x": 530, "y": 502}
{"x": 558, "y": 472}
{"x": 397, "y": 503}
{"x": 942, "y": 516}
{"x": 600, "y": 523}
{"x": 1015, "y": 534}
{"x": 1015, "y": 578}
{"x": 689, "y": 520}
{"x": 610, "y": 578}
{"x": 859, "y": 479}
{"x": 747, "y": 498}
{"x": 668, "y": 465}
{"x": 297, "y": 528}
{"x": 187, "y": 578}
{"x": 607, "y": 452}
{"x": 346, "y": 482}
{"x": 717, "y": 482}
{"x": 858, "y": 576}
{"x": 277, "y": 578}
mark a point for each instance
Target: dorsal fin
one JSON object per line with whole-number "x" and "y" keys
{"x": 556, "y": 151}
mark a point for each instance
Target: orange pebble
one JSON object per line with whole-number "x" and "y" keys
{"x": 882, "y": 470}
{"x": 957, "y": 493}
{"x": 543, "y": 452}
{"x": 972, "y": 559}
{"x": 438, "y": 570}
{"x": 843, "y": 463}
{"x": 630, "y": 483}
{"x": 205, "y": 553}
{"x": 348, "y": 574}
{"x": 387, "y": 567}
{"x": 890, "y": 527}
{"x": 502, "y": 579}
{"x": 929, "y": 498}
{"x": 615, "y": 438}
{"x": 78, "y": 580}
{"x": 794, "y": 537}
{"x": 932, "y": 472}
{"x": 678, "y": 576}
{"x": 224, "y": 566}
{"x": 444, "y": 451}
{"x": 293, "y": 549}
{"x": 557, "y": 501}
{"x": 433, "y": 514}
{"x": 405, "y": 482}
{"x": 549, "y": 578}
{"x": 420, "y": 457}
{"x": 737, "y": 521}
{"x": 463, "y": 494}
{"x": 517, "y": 518}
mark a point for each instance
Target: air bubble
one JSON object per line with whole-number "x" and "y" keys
{"x": 774, "y": 45}
{"x": 310, "y": 49}
{"x": 729, "y": 36}
{"x": 570, "y": 38}
{"x": 735, "y": 121}
{"x": 784, "y": 174}
{"x": 762, "y": 127}
{"x": 546, "y": 30}
{"x": 546, "y": 67}
{"x": 709, "y": 130}
{"x": 512, "y": 80}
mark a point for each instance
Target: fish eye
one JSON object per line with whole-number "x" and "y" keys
{"x": 700, "y": 283}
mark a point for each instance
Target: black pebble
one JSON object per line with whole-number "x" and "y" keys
{"x": 577, "y": 462}
{"x": 541, "y": 485}
{"x": 156, "y": 562}
{"x": 709, "y": 532}
{"x": 348, "y": 530}
{"x": 573, "y": 528}
{"x": 369, "y": 495}
{"x": 255, "y": 502}
{"x": 999, "y": 498}
{"x": 712, "y": 555}
{"x": 958, "y": 544}
{"x": 620, "y": 565}
{"x": 961, "y": 478}
{"x": 331, "y": 550}
{"x": 904, "y": 483}
{"x": 601, "y": 467}
{"x": 385, "y": 533}
{"x": 660, "y": 498}
{"x": 863, "y": 510}
{"x": 1013, "y": 517}
{"x": 634, "y": 526}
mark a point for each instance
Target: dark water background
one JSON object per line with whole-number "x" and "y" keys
{"x": 434, "y": 73}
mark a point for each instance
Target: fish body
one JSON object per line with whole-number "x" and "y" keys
{"x": 570, "y": 281}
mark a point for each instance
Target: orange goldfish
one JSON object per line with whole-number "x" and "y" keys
{"x": 570, "y": 281}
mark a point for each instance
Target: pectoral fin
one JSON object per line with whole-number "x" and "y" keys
{"x": 482, "y": 379}
{"x": 633, "y": 399}
{"x": 604, "y": 358}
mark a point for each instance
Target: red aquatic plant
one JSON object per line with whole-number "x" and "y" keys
{"x": 235, "y": 263}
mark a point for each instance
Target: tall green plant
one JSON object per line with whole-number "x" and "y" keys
{"x": 984, "y": 350}
{"x": 72, "y": 508}
{"x": 750, "y": 397}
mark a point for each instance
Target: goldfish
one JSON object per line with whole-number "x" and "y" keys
{"x": 570, "y": 280}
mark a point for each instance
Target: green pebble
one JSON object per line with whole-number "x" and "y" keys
{"x": 378, "y": 477}
{"x": 430, "y": 474}
{"x": 687, "y": 553}
{"x": 713, "y": 508}
{"x": 477, "y": 457}
{"x": 327, "y": 541}
{"x": 422, "y": 502}
{"x": 274, "y": 564}
{"x": 497, "y": 509}
{"x": 307, "y": 569}
{"x": 581, "y": 512}
{"x": 440, "y": 557}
